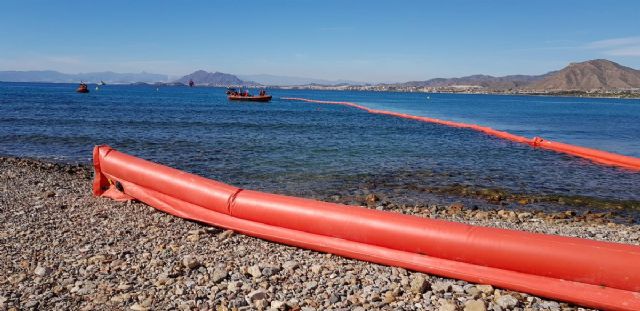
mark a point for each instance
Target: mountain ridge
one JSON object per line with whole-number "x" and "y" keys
{"x": 597, "y": 74}
{"x": 590, "y": 75}
{"x": 90, "y": 77}
{"x": 201, "y": 77}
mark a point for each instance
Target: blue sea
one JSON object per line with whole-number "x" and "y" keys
{"x": 318, "y": 150}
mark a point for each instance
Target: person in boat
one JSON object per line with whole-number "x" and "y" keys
{"x": 263, "y": 92}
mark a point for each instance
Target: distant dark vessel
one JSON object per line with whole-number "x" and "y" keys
{"x": 82, "y": 88}
{"x": 191, "y": 83}
{"x": 102, "y": 83}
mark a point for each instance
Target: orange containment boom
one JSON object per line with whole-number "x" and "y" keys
{"x": 598, "y": 156}
{"x": 585, "y": 272}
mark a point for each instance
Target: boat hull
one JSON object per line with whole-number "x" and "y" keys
{"x": 265, "y": 98}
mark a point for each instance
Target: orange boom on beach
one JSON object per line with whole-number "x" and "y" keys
{"x": 586, "y": 272}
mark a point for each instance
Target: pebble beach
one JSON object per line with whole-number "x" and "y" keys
{"x": 64, "y": 249}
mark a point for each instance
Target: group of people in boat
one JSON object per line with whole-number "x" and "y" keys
{"x": 234, "y": 92}
{"x": 82, "y": 88}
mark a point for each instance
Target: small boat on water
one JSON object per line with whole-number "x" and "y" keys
{"x": 82, "y": 88}
{"x": 102, "y": 83}
{"x": 191, "y": 83}
{"x": 250, "y": 98}
{"x": 233, "y": 94}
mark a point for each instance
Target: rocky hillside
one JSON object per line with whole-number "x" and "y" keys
{"x": 486, "y": 81}
{"x": 202, "y": 77}
{"x": 599, "y": 74}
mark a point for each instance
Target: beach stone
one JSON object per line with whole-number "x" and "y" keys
{"x": 193, "y": 238}
{"x": 277, "y": 304}
{"x": 441, "y": 287}
{"x": 316, "y": 268}
{"x": 255, "y": 295}
{"x": 138, "y": 307}
{"x": 455, "y": 208}
{"x": 333, "y": 298}
{"x": 290, "y": 265}
{"x": 371, "y": 199}
{"x": 219, "y": 274}
{"x": 419, "y": 285}
{"x": 389, "y": 297}
{"x": 481, "y": 215}
{"x": 41, "y": 271}
{"x": 254, "y": 271}
{"x": 506, "y": 301}
{"x": 550, "y": 305}
{"x": 447, "y": 306}
{"x": 474, "y": 305}
{"x": 270, "y": 270}
{"x": 487, "y": 289}
{"x": 260, "y": 304}
{"x": 190, "y": 262}
{"x": 225, "y": 235}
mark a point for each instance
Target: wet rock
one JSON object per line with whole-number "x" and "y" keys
{"x": 455, "y": 208}
{"x": 371, "y": 199}
{"x": 481, "y": 215}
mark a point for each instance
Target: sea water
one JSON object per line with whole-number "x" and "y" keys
{"x": 317, "y": 150}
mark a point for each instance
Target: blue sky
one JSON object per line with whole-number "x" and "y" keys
{"x": 357, "y": 40}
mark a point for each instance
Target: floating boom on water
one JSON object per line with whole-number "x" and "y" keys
{"x": 586, "y": 272}
{"x": 598, "y": 156}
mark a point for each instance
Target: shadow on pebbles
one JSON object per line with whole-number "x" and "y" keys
{"x": 62, "y": 248}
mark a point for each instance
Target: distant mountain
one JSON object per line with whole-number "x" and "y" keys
{"x": 202, "y": 77}
{"x": 274, "y": 80}
{"x": 595, "y": 74}
{"x": 91, "y": 77}
{"x": 485, "y": 81}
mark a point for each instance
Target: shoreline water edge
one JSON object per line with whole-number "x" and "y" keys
{"x": 68, "y": 249}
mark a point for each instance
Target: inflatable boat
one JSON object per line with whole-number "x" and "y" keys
{"x": 82, "y": 88}
{"x": 250, "y": 98}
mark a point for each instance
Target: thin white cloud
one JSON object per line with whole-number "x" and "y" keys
{"x": 615, "y": 42}
{"x": 627, "y": 46}
{"x": 626, "y": 51}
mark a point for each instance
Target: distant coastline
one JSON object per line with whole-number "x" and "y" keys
{"x": 623, "y": 94}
